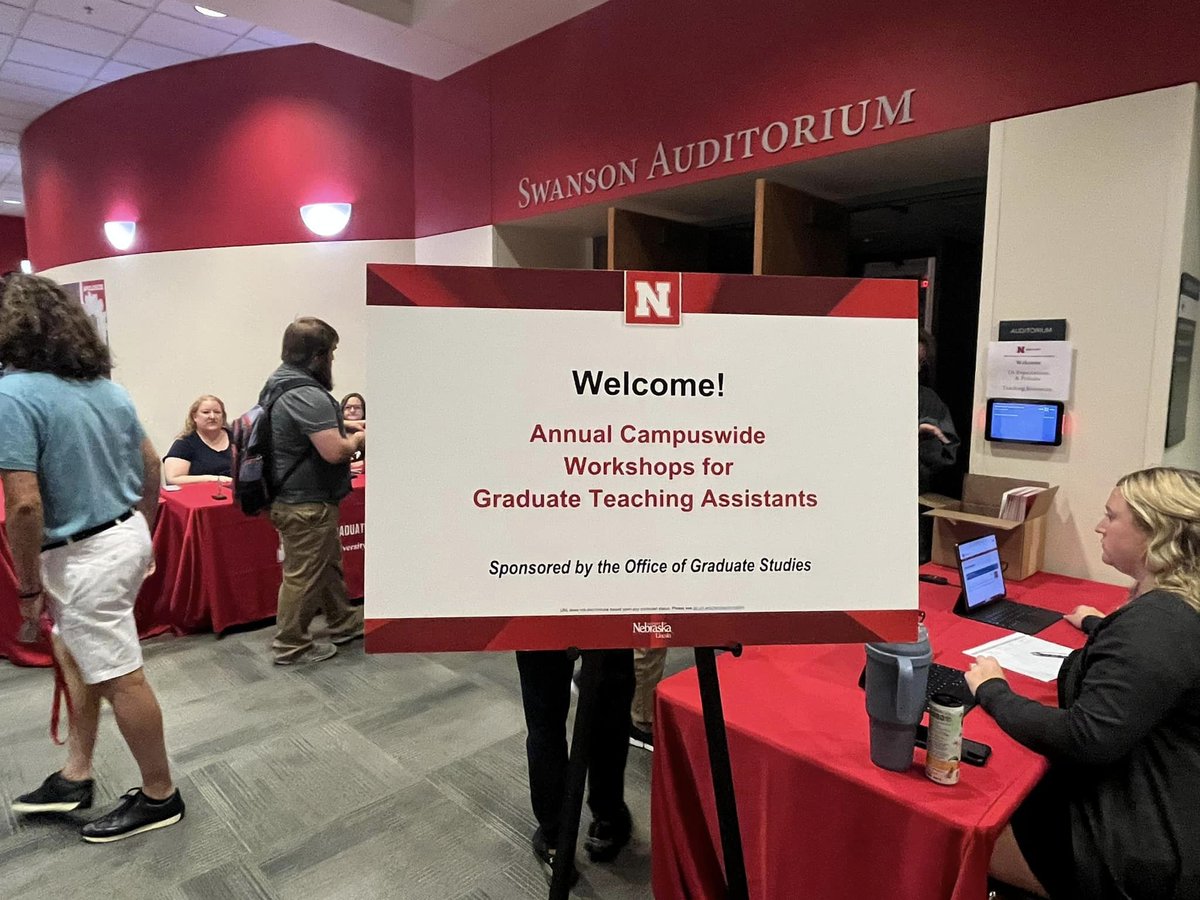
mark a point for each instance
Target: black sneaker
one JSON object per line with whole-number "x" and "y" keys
{"x": 56, "y": 795}
{"x": 606, "y": 837}
{"x": 545, "y": 853}
{"x": 642, "y": 739}
{"x": 135, "y": 814}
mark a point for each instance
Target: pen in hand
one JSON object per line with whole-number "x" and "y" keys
{"x": 1051, "y": 655}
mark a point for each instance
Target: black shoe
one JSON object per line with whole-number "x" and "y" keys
{"x": 56, "y": 795}
{"x": 545, "y": 853}
{"x": 135, "y": 814}
{"x": 606, "y": 837}
{"x": 642, "y": 739}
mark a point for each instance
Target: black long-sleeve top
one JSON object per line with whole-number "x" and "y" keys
{"x": 932, "y": 454}
{"x": 1125, "y": 747}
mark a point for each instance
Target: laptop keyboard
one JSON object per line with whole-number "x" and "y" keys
{"x": 945, "y": 680}
{"x": 942, "y": 680}
{"x": 1016, "y": 616}
{"x": 1003, "y": 616}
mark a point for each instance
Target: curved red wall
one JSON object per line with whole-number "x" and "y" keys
{"x": 12, "y": 243}
{"x": 220, "y": 153}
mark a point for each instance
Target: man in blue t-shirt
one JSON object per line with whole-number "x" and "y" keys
{"x": 81, "y": 492}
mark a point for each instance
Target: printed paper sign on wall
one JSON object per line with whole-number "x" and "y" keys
{"x": 549, "y": 469}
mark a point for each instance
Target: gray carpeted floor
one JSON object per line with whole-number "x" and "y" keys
{"x": 359, "y": 778}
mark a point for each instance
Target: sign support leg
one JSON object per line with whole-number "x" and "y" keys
{"x": 722, "y": 773}
{"x": 577, "y": 766}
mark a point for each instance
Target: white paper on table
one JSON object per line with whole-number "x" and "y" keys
{"x": 1016, "y": 652}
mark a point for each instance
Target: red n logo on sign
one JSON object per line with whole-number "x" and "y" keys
{"x": 653, "y": 298}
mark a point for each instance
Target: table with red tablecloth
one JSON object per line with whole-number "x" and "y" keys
{"x": 215, "y": 568}
{"x": 218, "y": 568}
{"x": 818, "y": 819}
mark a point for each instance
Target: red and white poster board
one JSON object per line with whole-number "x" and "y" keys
{"x": 93, "y": 297}
{"x": 605, "y": 459}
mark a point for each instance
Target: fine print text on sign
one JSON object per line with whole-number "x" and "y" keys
{"x": 557, "y": 477}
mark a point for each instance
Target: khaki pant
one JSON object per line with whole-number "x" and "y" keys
{"x": 312, "y": 577}
{"x": 648, "y": 667}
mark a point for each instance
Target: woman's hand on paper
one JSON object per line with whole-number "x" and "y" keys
{"x": 983, "y": 669}
{"x": 1079, "y": 613}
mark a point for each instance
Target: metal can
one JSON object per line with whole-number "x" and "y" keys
{"x": 943, "y": 748}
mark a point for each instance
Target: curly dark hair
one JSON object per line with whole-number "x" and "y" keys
{"x": 42, "y": 329}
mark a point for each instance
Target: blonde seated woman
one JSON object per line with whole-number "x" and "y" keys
{"x": 1117, "y": 817}
{"x": 202, "y": 452}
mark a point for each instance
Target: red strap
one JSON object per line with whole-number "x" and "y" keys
{"x": 60, "y": 691}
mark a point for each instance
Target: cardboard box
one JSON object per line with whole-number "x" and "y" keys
{"x": 1022, "y": 544}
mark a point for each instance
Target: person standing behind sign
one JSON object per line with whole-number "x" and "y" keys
{"x": 81, "y": 493}
{"x": 546, "y": 696}
{"x": 937, "y": 439}
{"x": 311, "y": 454}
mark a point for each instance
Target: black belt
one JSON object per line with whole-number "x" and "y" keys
{"x": 89, "y": 532}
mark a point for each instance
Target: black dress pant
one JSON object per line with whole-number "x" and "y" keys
{"x": 546, "y": 696}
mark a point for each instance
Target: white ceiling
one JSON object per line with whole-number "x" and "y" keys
{"x": 51, "y": 50}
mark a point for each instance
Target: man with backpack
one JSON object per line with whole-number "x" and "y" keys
{"x": 309, "y": 467}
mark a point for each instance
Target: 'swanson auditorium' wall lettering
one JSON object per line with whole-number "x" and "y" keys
{"x": 850, "y": 120}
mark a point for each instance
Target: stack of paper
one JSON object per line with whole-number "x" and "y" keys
{"x": 1015, "y": 504}
{"x": 1026, "y": 654}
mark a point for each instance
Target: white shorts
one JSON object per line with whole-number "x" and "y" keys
{"x": 91, "y": 588}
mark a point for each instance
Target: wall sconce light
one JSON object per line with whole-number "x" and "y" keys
{"x": 120, "y": 234}
{"x": 26, "y": 267}
{"x": 325, "y": 219}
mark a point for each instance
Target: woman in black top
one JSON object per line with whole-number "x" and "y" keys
{"x": 354, "y": 415}
{"x": 1118, "y": 814}
{"x": 202, "y": 451}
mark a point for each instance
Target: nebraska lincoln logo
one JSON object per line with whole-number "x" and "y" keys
{"x": 653, "y": 298}
{"x": 658, "y": 630}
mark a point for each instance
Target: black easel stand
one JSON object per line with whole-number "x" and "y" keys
{"x": 722, "y": 774}
{"x": 718, "y": 757}
{"x": 577, "y": 766}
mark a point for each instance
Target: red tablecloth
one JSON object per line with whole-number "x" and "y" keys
{"x": 218, "y": 568}
{"x": 818, "y": 820}
{"x": 215, "y": 568}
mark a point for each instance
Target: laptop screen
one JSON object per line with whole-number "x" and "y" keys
{"x": 979, "y": 565}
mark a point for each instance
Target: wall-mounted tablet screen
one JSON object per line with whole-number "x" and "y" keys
{"x": 1025, "y": 421}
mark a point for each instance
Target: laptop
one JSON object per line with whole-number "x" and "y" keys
{"x": 982, "y": 597}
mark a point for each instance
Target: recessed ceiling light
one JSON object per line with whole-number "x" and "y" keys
{"x": 211, "y": 13}
{"x": 13, "y": 202}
